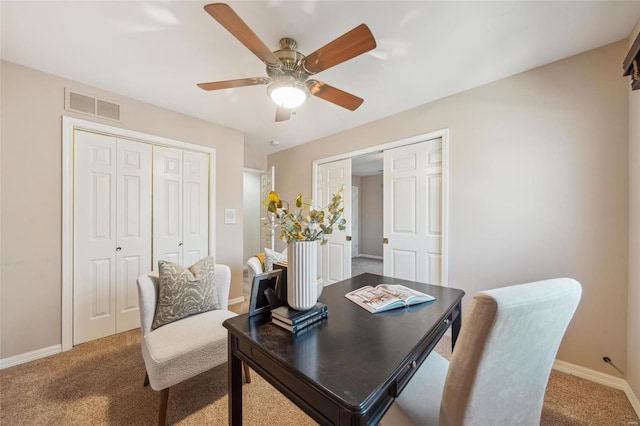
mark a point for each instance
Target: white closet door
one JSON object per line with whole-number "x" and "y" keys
{"x": 334, "y": 259}
{"x": 133, "y": 224}
{"x": 196, "y": 206}
{"x": 94, "y": 267}
{"x": 167, "y": 205}
{"x": 267, "y": 234}
{"x": 413, "y": 212}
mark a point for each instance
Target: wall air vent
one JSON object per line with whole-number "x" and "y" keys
{"x": 78, "y": 102}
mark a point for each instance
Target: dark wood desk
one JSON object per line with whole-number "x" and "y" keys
{"x": 348, "y": 368}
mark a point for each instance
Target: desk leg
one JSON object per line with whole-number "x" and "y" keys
{"x": 455, "y": 327}
{"x": 235, "y": 383}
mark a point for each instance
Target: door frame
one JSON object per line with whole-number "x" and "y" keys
{"x": 355, "y": 239}
{"x": 69, "y": 125}
{"x": 258, "y": 173}
{"x": 444, "y": 134}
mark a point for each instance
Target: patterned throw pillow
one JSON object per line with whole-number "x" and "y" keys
{"x": 271, "y": 257}
{"x": 185, "y": 291}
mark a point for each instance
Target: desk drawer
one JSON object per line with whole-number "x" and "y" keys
{"x": 416, "y": 361}
{"x": 292, "y": 386}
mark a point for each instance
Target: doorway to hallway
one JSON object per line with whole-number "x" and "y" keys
{"x": 414, "y": 209}
{"x": 360, "y": 265}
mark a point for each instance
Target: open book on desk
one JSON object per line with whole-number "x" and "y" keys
{"x": 384, "y": 297}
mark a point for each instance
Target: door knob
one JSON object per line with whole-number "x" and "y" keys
{"x": 385, "y": 241}
{"x": 348, "y": 237}
{"x": 180, "y": 245}
{"x": 118, "y": 248}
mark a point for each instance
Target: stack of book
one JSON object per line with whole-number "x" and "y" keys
{"x": 293, "y": 320}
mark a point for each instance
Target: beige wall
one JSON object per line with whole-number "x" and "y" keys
{"x": 254, "y": 159}
{"x": 371, "y": 215}
{"x": 538, "y": 187}
{"x": 633, "y": 333}
{"x": 32, "y": 106}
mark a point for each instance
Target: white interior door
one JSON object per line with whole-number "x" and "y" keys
{"x": 334, "y": 258}
{"x": 112, "y": 233}
{"x": 413, "y": 212}
{"x": 196, "y": 206}
{"x": 133, "y": 228}
{"x": 267, "y": 184}
{"x": 355, "y": 219}
{"x": 94, "y": 266}
{"x": 167, "y": 205}
{"x": 252, "y": 225}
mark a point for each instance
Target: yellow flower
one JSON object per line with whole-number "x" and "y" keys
{"x": 273, "y": 197}
{"x": 304, "y": 223}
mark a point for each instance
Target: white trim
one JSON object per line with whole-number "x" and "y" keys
{"x": 444, "y": 135}
{"x": 255, "y": 171}
{"x": 212, "y": 200}
{"x": 385, "y": 146}
{"x": 600, "y": 378}
{"x": 236, "y": 300}
{"x": 591, "y": 375}
{"x": 69, "y": 125}
{"x": 67, "y": 233}
{"x": 445, "y": 208}
{"x": 29, "y": 356}
{"x": 633, "y": 399}
{"x": 370, "y": 256}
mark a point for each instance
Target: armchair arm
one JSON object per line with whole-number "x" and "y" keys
{"x": 223, "y": 283}
{"x": 147, "y": 300}
{"x": 254, "y": 267}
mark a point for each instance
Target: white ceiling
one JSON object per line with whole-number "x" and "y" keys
{"x": 157, "y": 52}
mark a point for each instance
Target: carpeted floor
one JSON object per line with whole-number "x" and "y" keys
{"x": 100, "y": 382}
{"x": 360, "y": 265}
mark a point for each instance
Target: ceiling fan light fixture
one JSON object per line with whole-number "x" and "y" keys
{"x": 288, "y": 94}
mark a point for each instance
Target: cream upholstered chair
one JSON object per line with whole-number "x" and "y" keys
{"x": 501, "y": 363}
{"x": 254, "y": 267}
{"x": 185, "y": 348}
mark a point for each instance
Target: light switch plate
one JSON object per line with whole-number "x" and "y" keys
{"x": 229, "y": 216}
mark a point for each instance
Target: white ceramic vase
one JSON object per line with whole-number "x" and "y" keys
{"x": 302, "y": 275}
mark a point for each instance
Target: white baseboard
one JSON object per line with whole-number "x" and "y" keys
{"x": 633, "y": 399}
{"x": 29, "y": 356}
{"x": 236, "y": 300}
{"x": 600, "y": 378}
{"x": 370, "y": 256}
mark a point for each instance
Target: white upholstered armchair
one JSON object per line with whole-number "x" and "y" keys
{"x": 501, "y": 363}
{"x": 185, "y": 348}
{"x": 254, "y": 267}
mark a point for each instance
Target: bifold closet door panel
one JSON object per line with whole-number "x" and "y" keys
{"x": 94, "y": 267}
{"x": 196, "y": 206}
{"x": 133, "y": 227}
{"x": 167, "y": 205}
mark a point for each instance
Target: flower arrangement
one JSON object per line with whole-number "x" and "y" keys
{"x": 304, "y": 223}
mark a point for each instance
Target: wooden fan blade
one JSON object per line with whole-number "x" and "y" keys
{"x": 333, "y": 95}
{"x": 242, "y": 82}
{"x": 356, "y": 42}
{"x": 235, "y": 25}
{"x": 282, "y": 114}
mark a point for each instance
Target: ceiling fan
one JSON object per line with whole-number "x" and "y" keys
{"x": 288, "y": 70}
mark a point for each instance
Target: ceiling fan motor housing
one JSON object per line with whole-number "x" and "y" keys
{"x": 290, "y": 60}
